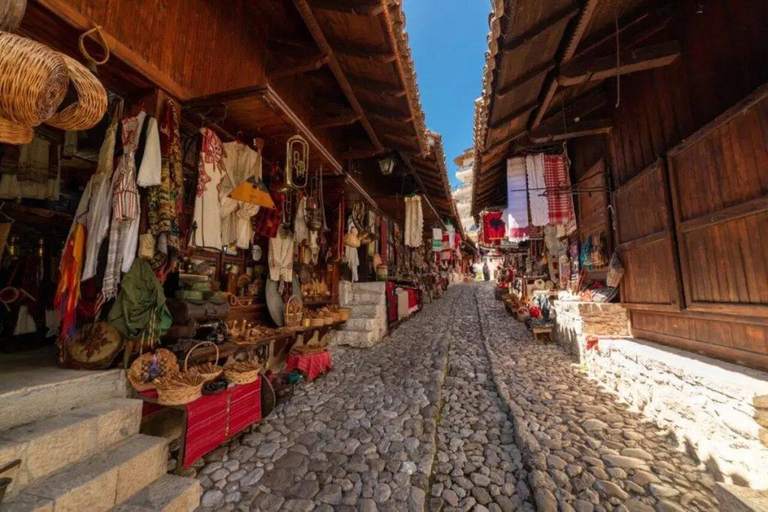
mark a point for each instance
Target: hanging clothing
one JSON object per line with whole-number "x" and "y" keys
{"x": 560, "y": 202}
{"x": 140, "y": 153}
{"x": 240, "y": 163}
{"x": 98, "y": 194}
{"x": 534, "y": 166}
{"x": 31, "y": 171}
{"x": 437, "y": 239}
{"x": 267, "y": 220}
{"x": 351, "y": 255}
{"x": 68, "y": 289}
{"x": 140, "y": 311}
{"x": 516, "y": 213}
{"x": 494, "y": 227}
{"x": 165, "y": 201}
{"x": 281, "y": 258}
{"x": 414, "y": 221}
{"x": 207, "y": 204}
{"x": 300, "y": 229}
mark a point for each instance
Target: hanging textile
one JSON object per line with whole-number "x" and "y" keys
{"x": 207, "y": 204}
{"x": 414, "y": 221}
{"x": 557, "y": 183}
{"x": 267, "y": 220}
{"x": 165, "y": 201}
{"x": 31, "y": 171}
{"x": 516, "y": 214}
{"x": 239, "y": 163}
{"x": 351, "y": 254}
{"x": 300, "y": 229}
{"x": 68, "y": 289}
{"x": 281, "y": 258}
{"x": 494, "y": 227}
{"x": 437, "y": 239}
{"x": 384, "y": 241}
{"x": 534, "y": 166}
{"x": 140, "y": 153}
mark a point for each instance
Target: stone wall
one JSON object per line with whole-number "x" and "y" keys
{"x": 713, "y": 407}
{"x": 718, "y": 411}
{"x": 574, "y": 321}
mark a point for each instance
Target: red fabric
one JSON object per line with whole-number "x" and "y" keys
{"x": 311, "y": 365}
{"x": 391, "y": 302}
{"x": 413, "y": 299}
{"x": 494, "y": 227}
{"x": 267, "y": 220}
{"x": 383, "y": 241}
{"x": 555, "y": 178}
{"x": 211, "y": 419}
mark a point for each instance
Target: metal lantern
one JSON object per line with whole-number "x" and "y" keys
{"x": 387, "y": 165}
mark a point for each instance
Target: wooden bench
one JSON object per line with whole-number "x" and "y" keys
{"x": 539, "y": 331}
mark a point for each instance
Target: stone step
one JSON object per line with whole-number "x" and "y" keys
{"x": 367, "y": 299}
{"x": 373, "y": 287}
{"x": 360, "y": 324}
{"x": 47, "y": 445}
{"x": 734, "y": 498}
{"x": 357, "y": 338}
{"x": 29, "y": 393}
{"x": 99, "y": 482}
{"x": 168, "y": 494}
{"x": 369, "y": 311}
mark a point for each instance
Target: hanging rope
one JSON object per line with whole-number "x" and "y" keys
{"x": 99, "y": 37}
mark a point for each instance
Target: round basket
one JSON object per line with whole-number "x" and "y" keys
{"x": 294, "y": 310}
{"x": 33, "y": 80}
{"x": 209, "y": 371}
{"x": 179, "y": 388}
{"x": 242, "y": 372}
{"x": 14, "y": 133}
{"x": 344, "y": 314}
{"x": 162, "y": 362}
{"x": 91, "y": 102}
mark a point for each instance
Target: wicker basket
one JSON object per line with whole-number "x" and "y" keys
{"x": 294, "y": 312}
{"x": 14, "y": 133}
{"x": 179, "y": 388}
{"x": 344, "y": 314}
{"x": 209, "y": 371}
{"x": 242, "y": 372}
{"x": 91, "y": 102}
{"x": 33, "y": 80}
{"x": 139, "y": 372}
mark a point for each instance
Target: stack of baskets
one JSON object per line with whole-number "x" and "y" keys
{"x": 34, "y": 81}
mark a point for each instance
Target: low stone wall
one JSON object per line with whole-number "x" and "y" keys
{"x": 712, "y": 406}
{"x": 574, "y": 321}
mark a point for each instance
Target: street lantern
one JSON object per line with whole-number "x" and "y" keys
{"x": 387, "y": 165}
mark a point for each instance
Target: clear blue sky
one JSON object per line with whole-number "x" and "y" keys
{"x": 448, "y": 40}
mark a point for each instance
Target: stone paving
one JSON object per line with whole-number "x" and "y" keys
{"x": 458, "y": 409}
{"x": 583, "y": 448}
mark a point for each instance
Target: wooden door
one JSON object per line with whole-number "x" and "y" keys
{"x": 646, "y": 242}
{"x": 719, "y": 179}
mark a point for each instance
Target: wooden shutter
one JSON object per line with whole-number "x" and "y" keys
{"x": 646, "y": 242}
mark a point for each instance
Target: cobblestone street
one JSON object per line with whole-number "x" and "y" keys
{"x": 458, "y": 409}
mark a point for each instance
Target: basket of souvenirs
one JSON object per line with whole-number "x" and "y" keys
{"x": 294, "y": 311}
{"x": 179, "y": 388}
{"x": 148, "y": 368}
{"x": 209, "y": 371}
{"x": 242, "y": 372}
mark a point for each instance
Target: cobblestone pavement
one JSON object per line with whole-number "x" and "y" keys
{"x": 458, "y": 409}
{"x": 583, "y": 448}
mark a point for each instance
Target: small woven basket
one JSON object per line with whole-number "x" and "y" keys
{"x": 209, "y": 371}
{"x": 179, "y": 389}
{"x": 242, "y": 372}
{"x": 138, "y": 374}
{"x": 91, "y": 102}
{"x": 294, "y": 311}
{"x": 15, "y": 133}
{"x": 33, "y": 80}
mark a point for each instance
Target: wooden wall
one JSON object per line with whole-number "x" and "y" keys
{"x": 691, "y": 185}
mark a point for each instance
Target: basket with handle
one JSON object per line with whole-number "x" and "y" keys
{"x": 33, "y": 80}
{"x": 91, "y": 100}
{"x": 179, "y": 388}
{"x": 15, "y": 133}
{"x": 242, "y": 372}
{"x": 294, "y": 311}
{"x": 209, "y": 371}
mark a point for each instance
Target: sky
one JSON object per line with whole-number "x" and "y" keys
{"x": 448, "y": 41}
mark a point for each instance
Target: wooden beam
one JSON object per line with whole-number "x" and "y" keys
{"x": 585, "y": 128}
{"x": 587, "y": 13}
{"x": 305, "y": 11}
{"x": 359, "y": 7}
{"x": 291, "y": 47}
{"x": 376, "y": 86}
{"x": 556, "y": 19}
{"x": 578, "y": 109}
{"x": 400, "y": 145}
{"x": 524, "y": 79}
{"x": 516, "y": 114}
{"x": 358, "y": 153}
{"x": 388, "y": 114}
{"x": 361, "y": 51}
{"x": 298, "y": 66}
{"x": 337, "y": 120}
{"x": 630, "y": 61}
{"x": 226, "y": 97}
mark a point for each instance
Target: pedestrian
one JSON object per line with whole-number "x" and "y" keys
{"x": 486, "y": 271}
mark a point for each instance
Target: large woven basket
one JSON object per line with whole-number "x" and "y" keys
{"x": 209, "y": 371}
{"x": 294, "y": 311}
{"x": 91, "y": 100}
{"x": 242, "y": 372}
{"x": 15, "y": 133}
{"x": 33, "y": 80}
{"x": 180, "y": 388}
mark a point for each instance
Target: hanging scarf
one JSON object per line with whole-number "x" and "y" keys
{"x": 165, "y": 201}
{"x": 68, "y": 290}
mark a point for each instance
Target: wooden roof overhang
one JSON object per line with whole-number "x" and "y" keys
{"x": 543, "y": 76}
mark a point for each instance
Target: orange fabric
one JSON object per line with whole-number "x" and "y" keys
{"x": 68, "y": 289}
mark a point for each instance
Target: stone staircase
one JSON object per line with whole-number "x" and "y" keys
{"x": 87, "y": 456}
{"x": 367, "y": 324}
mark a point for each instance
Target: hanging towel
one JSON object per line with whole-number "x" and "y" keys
{"x": 494, "y": 227}
{"x": 516, "y": 214}
{"x": 534, "y": 167}
{"x": 560, "y": 202}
